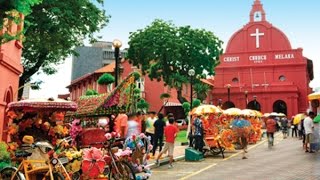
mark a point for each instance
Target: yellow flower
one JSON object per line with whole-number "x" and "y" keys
{"x": 75, "y": 166}
{"x": 58, "y": 129}
{"x": 69, "y": 155}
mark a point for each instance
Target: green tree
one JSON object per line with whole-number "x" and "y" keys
{"x": 106, "y": 79}
{"x": 195, "y": 103}
{"x": 186, "y": 108}
{"x": 143, "y": 105}
{"x": 201, "y": 90}
{"x": 53, "y": 29}
{"x": 91, "y": 92}
{"x": 167, "y": 53}
{"x": 9, "y": 10}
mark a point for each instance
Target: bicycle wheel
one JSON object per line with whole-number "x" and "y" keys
{"x": 7, "y": 172}
{"x": 125, "y": 171}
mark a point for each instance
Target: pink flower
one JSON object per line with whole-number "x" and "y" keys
{"x": 108, "y": 136}
{"x": 93, "y": 163}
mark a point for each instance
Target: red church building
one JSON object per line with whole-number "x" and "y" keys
{"x": 260, "y": 70}
{"x": 10, "y": 70}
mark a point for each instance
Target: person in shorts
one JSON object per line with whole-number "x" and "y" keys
{"x": 308, "y": 127}
{"x": 170, "y": 132}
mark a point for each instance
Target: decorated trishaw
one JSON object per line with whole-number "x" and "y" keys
{"x": 220, "y": 130}
{"x": 93, "y": 131}
{"x": 36, "y": 127}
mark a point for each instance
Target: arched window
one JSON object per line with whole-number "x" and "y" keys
{"x": 235, "y": 80}
{"x": 282, "y": 78}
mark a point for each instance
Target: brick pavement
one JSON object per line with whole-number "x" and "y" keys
{"x": 285, "y": 161}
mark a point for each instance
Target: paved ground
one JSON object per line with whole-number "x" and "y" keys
{"x": 286, "y": 161}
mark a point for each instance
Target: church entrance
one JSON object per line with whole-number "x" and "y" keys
{"x": 280, "y": 106}
{"x": 228, "y": 105}
{"x": 254, "y": 105}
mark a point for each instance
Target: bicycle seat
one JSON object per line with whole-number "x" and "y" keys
{"x": 22, "y": 154}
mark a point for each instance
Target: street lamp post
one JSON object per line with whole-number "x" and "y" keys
{"x": 191, "y": 73}
{"x": 228, "y": 86}
{"x": 116, "y": 44}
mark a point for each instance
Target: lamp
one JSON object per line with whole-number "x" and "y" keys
{"x": 191, "y": 73}
{"x": 116, "y": 44}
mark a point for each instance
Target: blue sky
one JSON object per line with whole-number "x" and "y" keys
{"x": 296, "y": 18}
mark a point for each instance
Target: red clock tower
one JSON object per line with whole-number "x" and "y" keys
{"x": 260, "y": 70}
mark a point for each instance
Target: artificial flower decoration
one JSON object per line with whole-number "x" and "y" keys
{"x": 108, "y": 136}
{"x": 13, "y": 129}
{"x": 75, "y": 166}
{"x": 45, "y": 126}
{"x": 75, "y": 130}
{"x": 123, "y": 153}
{"x": 12, "y": 115}
{"x": 92, "y": 163}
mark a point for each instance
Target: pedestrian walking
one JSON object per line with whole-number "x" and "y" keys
{"x": 284, "y": 127}
{"x": 198, "y": 134}
{"x": 316, "y": 136}
{"x": 170, "y": 133}
{"x": 121, "y": 124}
{"x": 271, "y": 126}
{"x": 243, "y": 130}
{"x": 308, "y": 127}
{"x": 159, "y": 125}
{"x": 149, "y": 125}
{"x": 294, "y": 128}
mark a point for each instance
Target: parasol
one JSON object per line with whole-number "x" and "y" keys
{"x": 266, "y": 114}
{"x": 297, "y": 118}
{"x": 205, "y": 109}
{"x": 43, "y": 104}
{"x": 232, "y": 111}
{"x": 248, "y": 112}
{"x": 281, "y": 115}
{"x": 314, "y": 96}
{"x": 258, "y": 113}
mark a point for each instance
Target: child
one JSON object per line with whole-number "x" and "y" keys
{"x": 170, "y": 132}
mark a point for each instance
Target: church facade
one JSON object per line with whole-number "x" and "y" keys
{"x": 10, "y": 70}
{"x": 260, "y": 70}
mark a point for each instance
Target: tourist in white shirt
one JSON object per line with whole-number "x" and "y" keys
{"x": 308, "y": 128}
{"x": 149, "y": 125}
